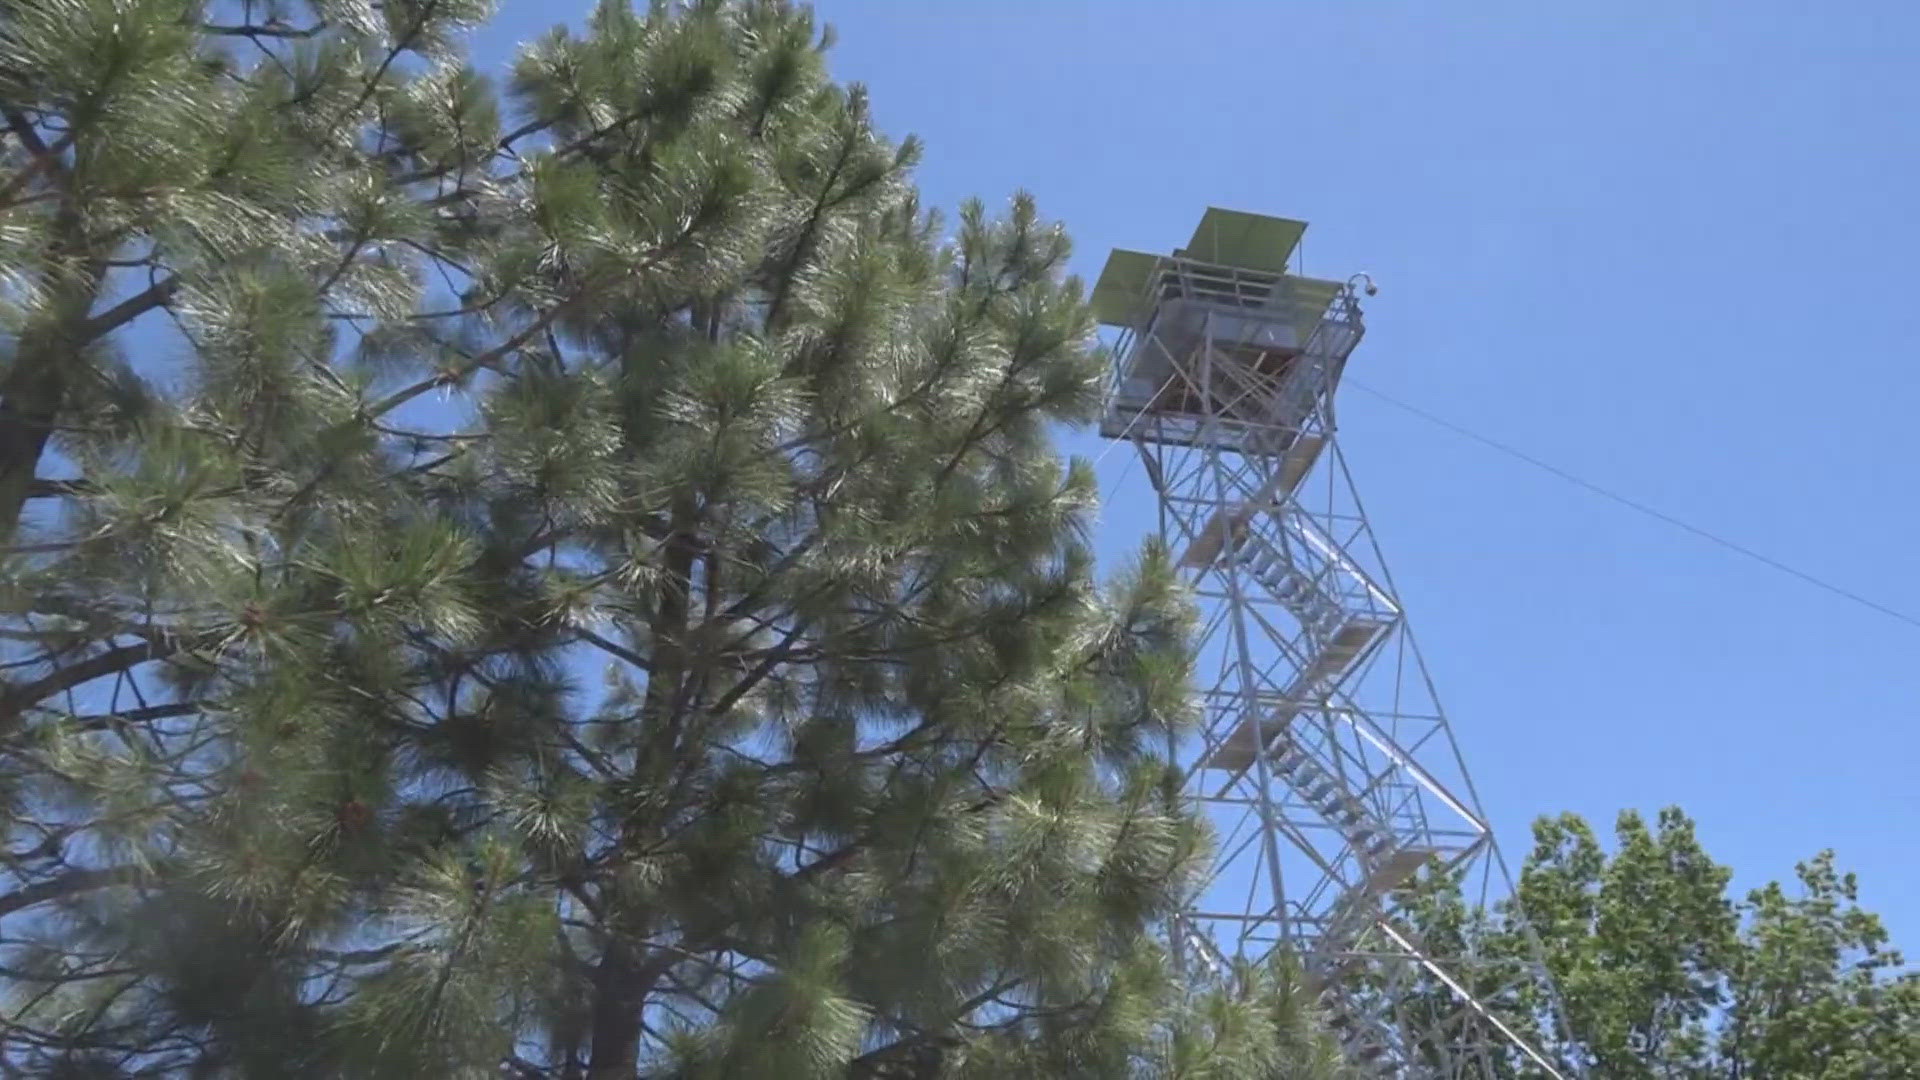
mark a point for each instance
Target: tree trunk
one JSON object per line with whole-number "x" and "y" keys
{"x": 623, "y": 977}
{"x": 618, "y": 999}
{"x": 35, "y": 389}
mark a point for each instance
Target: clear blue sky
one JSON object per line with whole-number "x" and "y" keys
{"x": 1668, "y": 247}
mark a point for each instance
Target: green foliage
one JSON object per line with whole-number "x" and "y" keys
{"x": 1661, "y": 974}
{"x": 574, "y": 582}
{"x": 1816, "y": 991}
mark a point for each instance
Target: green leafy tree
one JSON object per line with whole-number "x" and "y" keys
{"x": 1639, "y": 941}
{"x": 1661, "y": 974}
{"x": 575, "y": 584}
{"x": 1816, "y": 990}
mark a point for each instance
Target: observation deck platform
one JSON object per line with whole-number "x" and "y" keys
{"x": 1222, "y": 346}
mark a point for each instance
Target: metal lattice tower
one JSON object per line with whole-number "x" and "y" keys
{"x": 1324, "y": 761}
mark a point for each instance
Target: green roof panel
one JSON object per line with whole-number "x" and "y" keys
{"x": 1248, "y": 241}
{"x": 1122, "y": 287}
{"x": 1223, "y": 238}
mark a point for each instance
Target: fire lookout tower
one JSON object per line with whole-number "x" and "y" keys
{"x": 1323, "y": 761}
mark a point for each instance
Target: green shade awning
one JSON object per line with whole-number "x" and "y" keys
{"x": 1122, "y": 287}
{"x": 1227, "y": 238}
{"x": 1248, "y": 241}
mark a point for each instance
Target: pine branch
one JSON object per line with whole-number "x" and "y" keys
{"x": 50, "y": 489}
{"x": 884, "y": 1062}
{"x": 484, "y": 360}
{"x": 23, "y": 130}
{"x": 538, "y": 326}
{"x": 142, "y": 715}
{"x": 15, "y": 699}
{"x": 44, "y": 158}
{"x": 273, "y": 29}
{"x": 128, "y": 310}
{"x": 71, "y": 883}
{"x": 774, "y": 657}
{"x": 531, "y": 127}
{"x": 804, "y": 242}
{"x": 401, "y": 44}
{"x": 617, "y": 651}
{"x": 581, "y": 143}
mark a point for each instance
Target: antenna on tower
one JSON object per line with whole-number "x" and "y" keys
{"x": 1324, "y": 762}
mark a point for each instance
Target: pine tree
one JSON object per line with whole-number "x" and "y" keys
{"x": 574, "y": 582}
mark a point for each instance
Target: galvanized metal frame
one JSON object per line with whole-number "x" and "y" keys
{"x": 1324, "y": 760}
